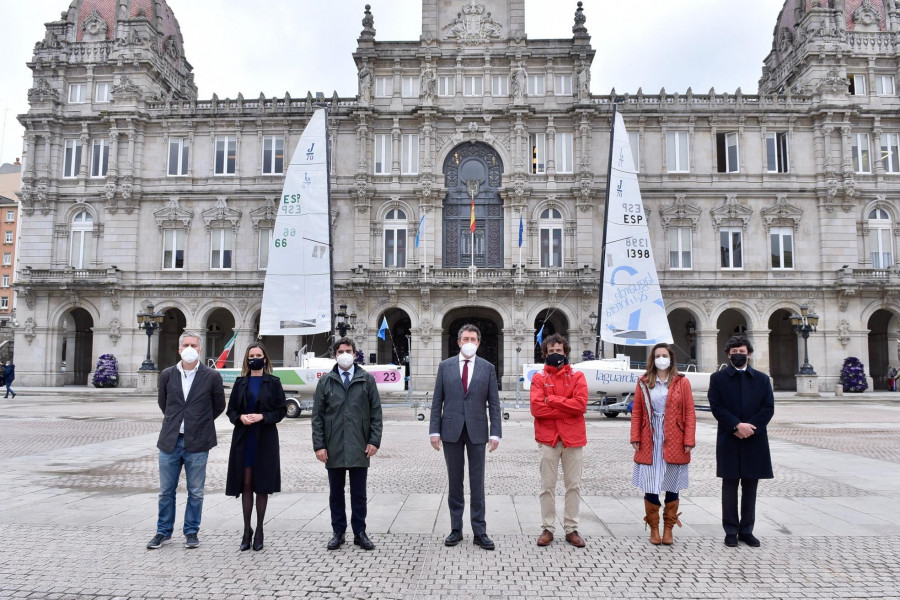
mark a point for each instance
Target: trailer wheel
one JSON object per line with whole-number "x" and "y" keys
{"x": 506, "y": 416}
{"x": 293, "y": 408}
{"x": 420, "y": 417}
{"x": 611, "y": 415}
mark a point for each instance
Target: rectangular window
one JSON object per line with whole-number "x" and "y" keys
{"x": 860, "y": 153}
{"x": 4, "y": 302}
{"x": 884, "y": 85}
{"x": 102, "y": 94}
{"x": 8, "y": 237}
{"x": 72, "y": 158}
{"x": 383, "y": 87}
{"x": 179, "y": 150}
{"x": 226, "y": 155}
{"x": 680, "y": 248}
{"x": 563, "y": 85}
{"x": 677, "y": 152}
{"x": 99, "y": 158}
{"x": 446, "y": 85}
{"x": 273, "y": 155}
{"x": 551, "y": 247}
{"x": 536, "y": 85}
{"x": 5, "y": 281}
{"x": 80, "y": 255}
{"x": 727, "y": 152}
{"x": 634, "y": 139}
{"x": 473, "y": 86}
{"x": 777, "y": 152}
{"x": 173, "y": 249}
{"x": 395, "y": 248}
{"x": 858, "y": 85}
{"x": 265, "y": 240}
{"x": 7, "y": 259}
{"x": 409, "y": 154}
{"x": 220, "y": 256}
{"x": 500, "y": 86}
{"x": 410, "y": 87}
{"x": 731, "y": 248}
{"x": 564, "y": 150}
{"x": 880, "y": 248}
{"x": 782, "y": 244}
{"x": 382, "y": 154}
{"x": 538, "y": 153}
{"x": 77, "y": 92}
{"x": 890, "y": 152}
{"x": 10, "y": 216}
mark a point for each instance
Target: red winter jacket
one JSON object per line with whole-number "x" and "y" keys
{"x": 558, "y": 402}
{"x": 679, "y": 424}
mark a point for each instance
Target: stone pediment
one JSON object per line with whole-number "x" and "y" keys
{"x": 220, "y": 215}
{"x": 42, "y": 91}
{"x": 781, "y": 214}
{"x": 731, "y": 214}
{"x": 173, "y": 216}
{"x": 680, "y": 214}
{"x": 265, "y": 214}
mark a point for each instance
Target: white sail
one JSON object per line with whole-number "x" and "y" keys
{"x": 633, "y": 313}
{"x": 297, "y": 292}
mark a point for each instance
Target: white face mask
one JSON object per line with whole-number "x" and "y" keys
{"x": 662, "y": 363}
{"x": 345, "y": 360}
{"x": 189, "y": 355}
{"x": 469, "y": 349}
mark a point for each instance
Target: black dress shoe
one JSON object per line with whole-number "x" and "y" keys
{"x": 363, "y": 541}
{"x": 484, "y": 541}
{"x": 258, "y": 541}
{"x": 749, "y": 539}
{"x": 731, "y": 540}
{"x": 336, "y": 541}
{"x": 245, "y": 541}
{"x": 454, "y": 538}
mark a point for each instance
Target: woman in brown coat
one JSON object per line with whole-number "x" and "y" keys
{"x": 663, "y": 425}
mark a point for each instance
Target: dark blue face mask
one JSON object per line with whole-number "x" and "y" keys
{"x": 256, "y": 364}
{"x": 556, "y": 360}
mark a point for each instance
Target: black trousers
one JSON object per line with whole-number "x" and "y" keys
{"x": 730, "y": 520}
{"x": 336, "y": 479}
{"x": 455, "y": 454}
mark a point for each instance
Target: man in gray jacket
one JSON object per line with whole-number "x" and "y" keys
{"x": 346, "y": 433}
{"x": 190, "y": 396}
{"x": 465, "y": 392}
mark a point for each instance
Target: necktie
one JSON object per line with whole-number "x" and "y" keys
{"x": 465, "y": 377}
{"x": 346, "y": 379}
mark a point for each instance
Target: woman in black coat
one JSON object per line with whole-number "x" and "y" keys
{"x": 256, "y": 404}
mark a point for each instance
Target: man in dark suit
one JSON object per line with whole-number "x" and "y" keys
{"x": 742, "y": 402}
{"x": 465, "y": 392}
{"x": 190, "y": 396}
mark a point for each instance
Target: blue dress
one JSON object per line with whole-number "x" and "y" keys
{"x": 251, "y": 441}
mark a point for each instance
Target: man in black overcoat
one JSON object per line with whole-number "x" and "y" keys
{"x": 742, "y": 402}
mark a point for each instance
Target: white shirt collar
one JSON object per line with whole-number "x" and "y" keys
{"x": 351, "y": 370}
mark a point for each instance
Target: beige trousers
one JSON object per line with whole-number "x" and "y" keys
{"x": 572, "y": 462}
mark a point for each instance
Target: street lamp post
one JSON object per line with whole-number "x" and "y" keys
{"x": 803, "y": 324}
{"x": 149, "y": 321}
{"x": 343, "y": 321}
{"x": 592, "y": 321}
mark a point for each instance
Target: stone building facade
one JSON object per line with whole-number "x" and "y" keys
{"x": 136, "y": 191}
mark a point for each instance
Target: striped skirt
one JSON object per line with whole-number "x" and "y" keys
{"x": 659, "y": 477}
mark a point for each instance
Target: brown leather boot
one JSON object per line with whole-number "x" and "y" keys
{"x": 670, "y": 520}
{"x": 545, "y": 538}
{"x": 652, "y": 520}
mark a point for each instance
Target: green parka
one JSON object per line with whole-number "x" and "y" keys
{"x": 344, "y": 421}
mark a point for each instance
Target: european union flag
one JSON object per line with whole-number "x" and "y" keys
{"x": 521, "y": 229}
{"x": 421, "y": 228}
{"x": 540, "y": 336}
{"x": 383, "y": 329}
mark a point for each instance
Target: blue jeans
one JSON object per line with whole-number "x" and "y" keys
{"x": 169, "y": 471}
{"x": 9, "y": 389}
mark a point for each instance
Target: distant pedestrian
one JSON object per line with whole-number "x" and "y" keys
{"x": 256, "y": 404}
{"x": 663, "y": 426}
{"x": 190, "y": 396}
{"x": 742, "y": 401}
{"x": 9, "y": 374}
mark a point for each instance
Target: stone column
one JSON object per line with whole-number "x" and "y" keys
{"x": 709, "y": 356}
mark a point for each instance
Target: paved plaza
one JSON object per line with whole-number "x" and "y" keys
{"x": 79, "y": 490}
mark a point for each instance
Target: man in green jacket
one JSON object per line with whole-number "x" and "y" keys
{"x": 346, "y": 433}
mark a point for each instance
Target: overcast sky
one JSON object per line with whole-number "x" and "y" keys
{"x": 278, "y": 46}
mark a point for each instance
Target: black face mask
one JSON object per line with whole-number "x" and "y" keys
{"x": 256, "y": 364}
{"x": 556, "y": 360}
{"x": 739, "y": 360}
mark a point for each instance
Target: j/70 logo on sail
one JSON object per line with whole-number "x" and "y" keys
{"x": 310, "y": 154}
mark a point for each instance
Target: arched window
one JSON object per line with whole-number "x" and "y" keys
{"x": 881, "y": 248}
{"x": 395, "y": 239}
{"x": 80, "y": 240}
{"x": 551, "y": 226}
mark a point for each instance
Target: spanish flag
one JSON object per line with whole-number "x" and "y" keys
{"x": 472, "y": 217}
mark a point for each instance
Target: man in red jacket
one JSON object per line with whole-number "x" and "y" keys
{"x": 559, "y": 398}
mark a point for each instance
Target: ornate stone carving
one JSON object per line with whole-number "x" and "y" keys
{"x": 173, "y": 216}
{"x": 242, "y": 305}
{"x": 584, "y": 82}
{"x": 519, "y": 300}
{"x": 428, "y": 84}
{"x": 42, "y": 92}
{"x": 113, "y": 294}
{"x": 365, "y": 83}
{"x": 426, "y": 298}
{"x": 519, "y": 81}
{"x": 782, "y": 214}
{"x": 866, "y": 15}
{"x": 94, "y": 27}
{"x": 220, "y": 214}
{"x": 368, "y": 23}
{"x": 731, "y": 213}
{"x": 126, "y": 88}
{"x": 472, "y": 25}
{"x": 264, "y": 215}
{"x": 578, "y": 28}
{"x": 843, "y": 333}
{"x": 680, "y": 214}
{"x": 115, "y": 330}
{"x": 29, "y": 330}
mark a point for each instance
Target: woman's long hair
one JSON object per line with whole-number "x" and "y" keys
{"x": 245, "y": 368}
{"x": 652, "y": 373}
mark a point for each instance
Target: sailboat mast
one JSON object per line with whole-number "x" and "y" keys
{"x": 598, "y": 349}
{"x": 328, "y": 194}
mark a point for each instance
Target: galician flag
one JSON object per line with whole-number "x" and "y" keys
{"x": 383, "y": 329}
{"x": 472, "y": 217}
{"x": 421, "y": 229}
{"x": 521, "y": 229}
{"x": 220, "y": 363}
